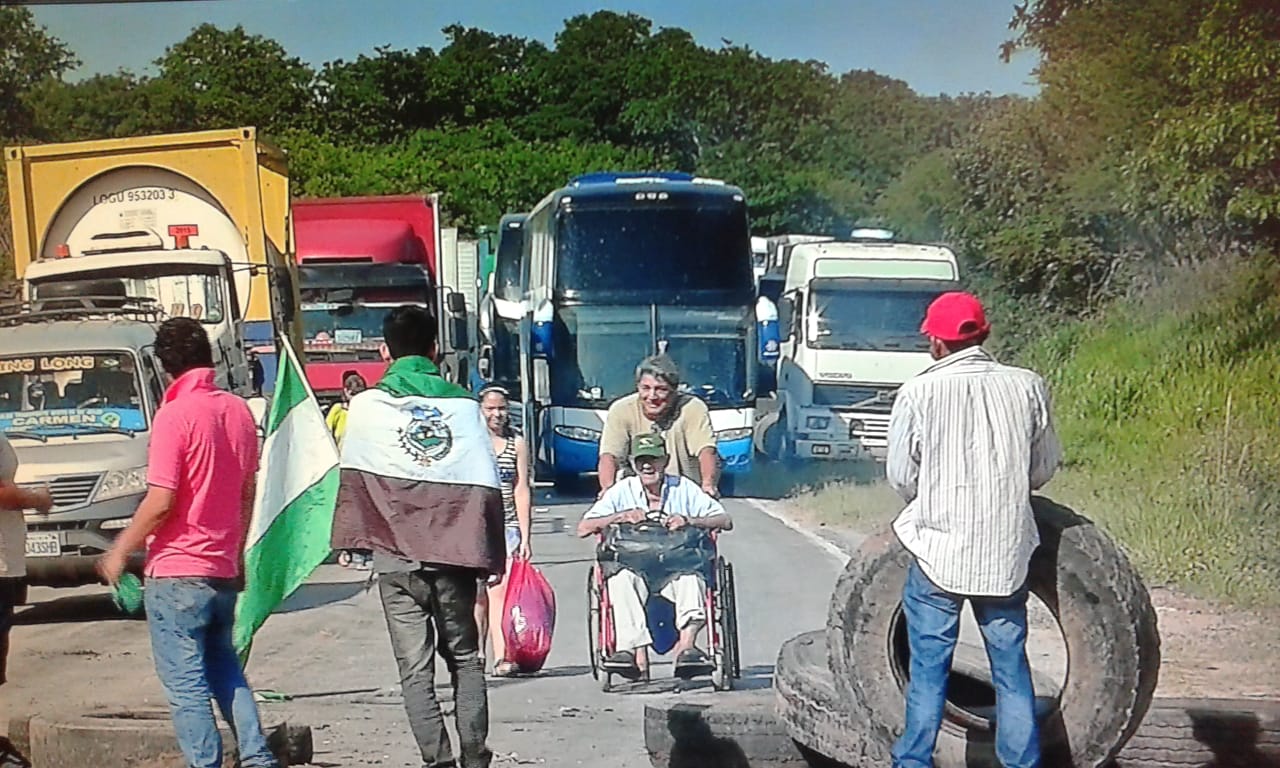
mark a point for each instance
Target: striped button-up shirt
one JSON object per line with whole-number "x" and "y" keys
{"x": 969, "y": 440}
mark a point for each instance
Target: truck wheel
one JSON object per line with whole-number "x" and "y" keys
{"x": 774, "y": 441}
{"x": 1101, "y": 606}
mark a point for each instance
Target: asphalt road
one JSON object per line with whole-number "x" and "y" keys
{"x": 327, "y": 648}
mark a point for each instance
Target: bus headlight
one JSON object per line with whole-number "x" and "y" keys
{"x": 582, "y": 434}
{"x": 122, "y": 482}
{"x": 737, "y": 433}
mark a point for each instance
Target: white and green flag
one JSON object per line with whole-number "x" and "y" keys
{"x": 293, "y": 509}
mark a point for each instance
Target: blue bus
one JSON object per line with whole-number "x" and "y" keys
{"x": 619, "y": 266}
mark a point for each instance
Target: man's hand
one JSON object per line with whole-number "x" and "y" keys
{"x": 676, "y": 522}
{"x": 111, "y": 565}
{"x": 632, "y": 516}
{"x": 525, "y": 552}
{"x": 711, "y": 489}
{"x": 42, "y": 500}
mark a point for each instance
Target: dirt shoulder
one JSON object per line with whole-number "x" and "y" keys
{"x": 1208, "y": 650}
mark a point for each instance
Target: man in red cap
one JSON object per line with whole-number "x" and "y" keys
{"x": 969, "y": 440}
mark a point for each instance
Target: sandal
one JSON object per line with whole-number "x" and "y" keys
{"x": 505, "y": 668}
{"x": 623, "y": 664}
{"x": 692, "y": 662}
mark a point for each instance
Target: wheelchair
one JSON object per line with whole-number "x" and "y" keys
{"x": 656, "y": 554}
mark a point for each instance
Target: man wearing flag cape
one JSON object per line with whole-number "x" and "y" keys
{"x": 419, "y": 487}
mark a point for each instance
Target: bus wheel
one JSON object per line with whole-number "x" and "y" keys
{"x": 565, "y": 482}
{"x": 727, "y": 483}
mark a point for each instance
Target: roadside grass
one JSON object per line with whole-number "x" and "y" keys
{"x": 1168, "y": 406}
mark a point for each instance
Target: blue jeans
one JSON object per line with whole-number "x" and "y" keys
{"x": 933, "y": 624}
{"x": 190, "y": 621}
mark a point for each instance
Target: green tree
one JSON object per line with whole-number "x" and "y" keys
{"x": 28, "y": 55}
{"x": 218, "y": 78}
{"x": 102, "y": 106}
{"x": 1214, "y": 157}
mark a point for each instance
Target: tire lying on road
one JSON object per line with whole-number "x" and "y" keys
{"x": 807, "y": 702}
{"x": 1101, "y": 606}
{"x": 1176, "y": 733}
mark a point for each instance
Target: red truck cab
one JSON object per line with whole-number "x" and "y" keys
{"x": 358, "y": 257}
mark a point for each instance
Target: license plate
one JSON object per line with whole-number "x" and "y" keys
{"x": 44, "y": 544}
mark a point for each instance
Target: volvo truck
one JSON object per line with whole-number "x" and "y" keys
{"x": 849, "y": 317}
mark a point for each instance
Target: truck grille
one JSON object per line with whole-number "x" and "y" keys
{"x": 873, "y": 431}
{"x": 70, "y": 490}
{"x": 848, "y": 396}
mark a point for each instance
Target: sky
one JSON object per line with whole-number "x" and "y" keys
{"x": 936, "y": 46}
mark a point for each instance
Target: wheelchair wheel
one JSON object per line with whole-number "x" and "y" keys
{"x": 593, "y": 625}
{"x": 731, "y": 616}
{"x": 726, "y": 627}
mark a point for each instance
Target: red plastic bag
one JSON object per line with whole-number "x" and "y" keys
{"x": 528, "y": 616}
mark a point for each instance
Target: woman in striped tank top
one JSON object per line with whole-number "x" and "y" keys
{"x": 517, "y": 501}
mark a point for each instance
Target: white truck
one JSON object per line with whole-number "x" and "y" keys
{"x": 849, "y": 318}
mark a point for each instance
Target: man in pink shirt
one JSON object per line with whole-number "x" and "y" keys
{"x": 201, "y": 472}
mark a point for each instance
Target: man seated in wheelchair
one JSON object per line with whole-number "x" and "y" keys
{"x": 655, "y": 539}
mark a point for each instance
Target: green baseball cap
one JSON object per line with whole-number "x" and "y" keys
{"x": 648, "y": 445}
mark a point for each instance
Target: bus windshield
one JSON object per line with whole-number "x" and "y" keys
{"x": 597, "y": 350}
{"x": 710, "y": 348}
{"x": 663, "y": 249}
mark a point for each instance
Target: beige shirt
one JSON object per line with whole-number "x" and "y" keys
{"x": 687, "y": 435}
{"x": 13, "y": 529}
{"x": 969, "y": 440}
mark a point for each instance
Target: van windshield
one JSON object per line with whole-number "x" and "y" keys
{"x": 77, "y": 393}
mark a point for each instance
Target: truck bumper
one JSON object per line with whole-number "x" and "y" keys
{"x": 840, "y": 435}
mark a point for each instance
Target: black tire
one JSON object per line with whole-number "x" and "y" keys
{"x": 808, "y": 705}
{"x": 1223, "y": 733}
{"x": 728, "y": 483}
{"x": 1102, "y": 607}
{"x": 565, "y": 483}
{"x": 773, "y": 442}
{"x": 739, "y": 730}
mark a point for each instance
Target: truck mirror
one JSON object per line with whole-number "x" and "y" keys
{"x": 786, "y": 313}
{"x": 284, "y": 284}
{"x": 458, "y": 333}
{"x": 766, "y": 381}
{"x": 484, "y": 362}
{"x": 456, "y": 303}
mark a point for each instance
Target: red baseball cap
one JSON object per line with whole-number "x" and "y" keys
{"x": 955, "y": 316}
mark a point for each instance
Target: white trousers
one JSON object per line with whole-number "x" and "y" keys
{"x": 628, "y": 594}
